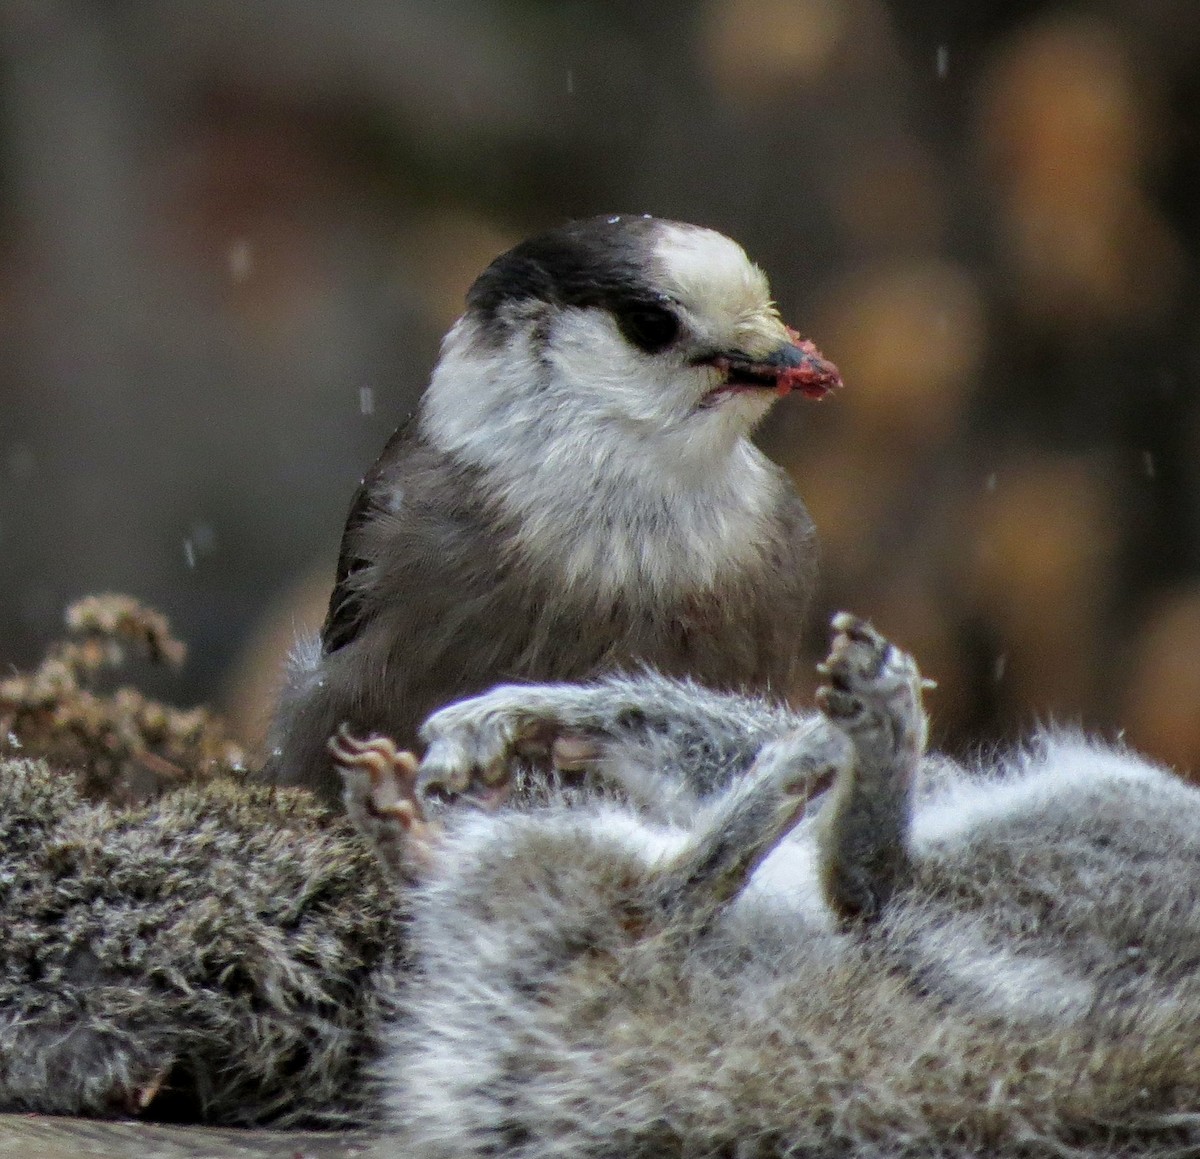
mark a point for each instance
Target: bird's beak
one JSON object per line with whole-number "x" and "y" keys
{"x": 795, "y": 365}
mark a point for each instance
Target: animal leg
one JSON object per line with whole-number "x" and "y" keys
{"x": 701, "y": 736}
{"x": 873, "y": 695}
{"x": 750, "y": 819}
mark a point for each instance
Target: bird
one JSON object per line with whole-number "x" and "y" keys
{"x": 577, "y": 493}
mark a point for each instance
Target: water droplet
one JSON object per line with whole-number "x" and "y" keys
{"x": 991, "y": 481}
{"x": 999, "y": 667}
{"x": 203, "y": 537}
{"x": 200, "y": 540}
{"x": 240, "y": 260}
{"x": 366, "y": 400}
{"x": 943, "y": 61}
{"x": 570, "y": 80}
{"x": 1149, "y": 467}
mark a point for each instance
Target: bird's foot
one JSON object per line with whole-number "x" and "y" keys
{"x": 379, "y": 788}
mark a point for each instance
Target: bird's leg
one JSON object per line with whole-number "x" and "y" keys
{"x": 873, "y": 694}
{"x": 379, "y": 791}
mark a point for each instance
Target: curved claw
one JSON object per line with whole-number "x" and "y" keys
{"x": 390, "y": 773}
{"x": 451, "y": 766}
{"x": 379, "y": 791}
{"x": 866, "y": 672}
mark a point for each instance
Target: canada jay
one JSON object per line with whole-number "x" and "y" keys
{"x": 577, "y": 494}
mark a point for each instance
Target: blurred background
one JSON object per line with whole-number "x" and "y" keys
{"x": 233, "y": 231}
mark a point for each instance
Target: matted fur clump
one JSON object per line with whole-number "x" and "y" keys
{"x": 225, "y": 954}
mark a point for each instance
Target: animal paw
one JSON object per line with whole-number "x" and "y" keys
{"x": 474, "y": 746}
{"x": 873, "y": 691}
{"x": 379, "y": 787}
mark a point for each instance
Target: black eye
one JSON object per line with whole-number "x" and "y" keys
{"x": 649, "y": 326}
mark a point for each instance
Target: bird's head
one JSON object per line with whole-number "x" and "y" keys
{"x": 648, "y": 328}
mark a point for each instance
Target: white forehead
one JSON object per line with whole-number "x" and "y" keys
{"x": 724, "y": 294}
{"x": 709, "y": 272}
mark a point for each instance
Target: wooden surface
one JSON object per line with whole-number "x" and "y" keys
{"x": 47, "y": 1137}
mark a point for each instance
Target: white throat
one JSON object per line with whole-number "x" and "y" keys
{"x": 612, "y": 474}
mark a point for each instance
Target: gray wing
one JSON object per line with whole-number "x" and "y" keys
{"x": 344, "y": 618}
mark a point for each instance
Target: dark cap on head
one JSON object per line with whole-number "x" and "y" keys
{"x": 597, "y": 262}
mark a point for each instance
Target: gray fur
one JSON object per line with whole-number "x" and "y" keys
{"x": 605, "y": 979}
{"x": 937, "y": 961}
{"x": 227, "y": 955}
{"x": 666, "y": 743}
{"x": 564, "y": 505}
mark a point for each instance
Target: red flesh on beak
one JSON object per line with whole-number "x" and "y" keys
{"x": 815, "y": 377}
{"x": 798, "y": 366}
